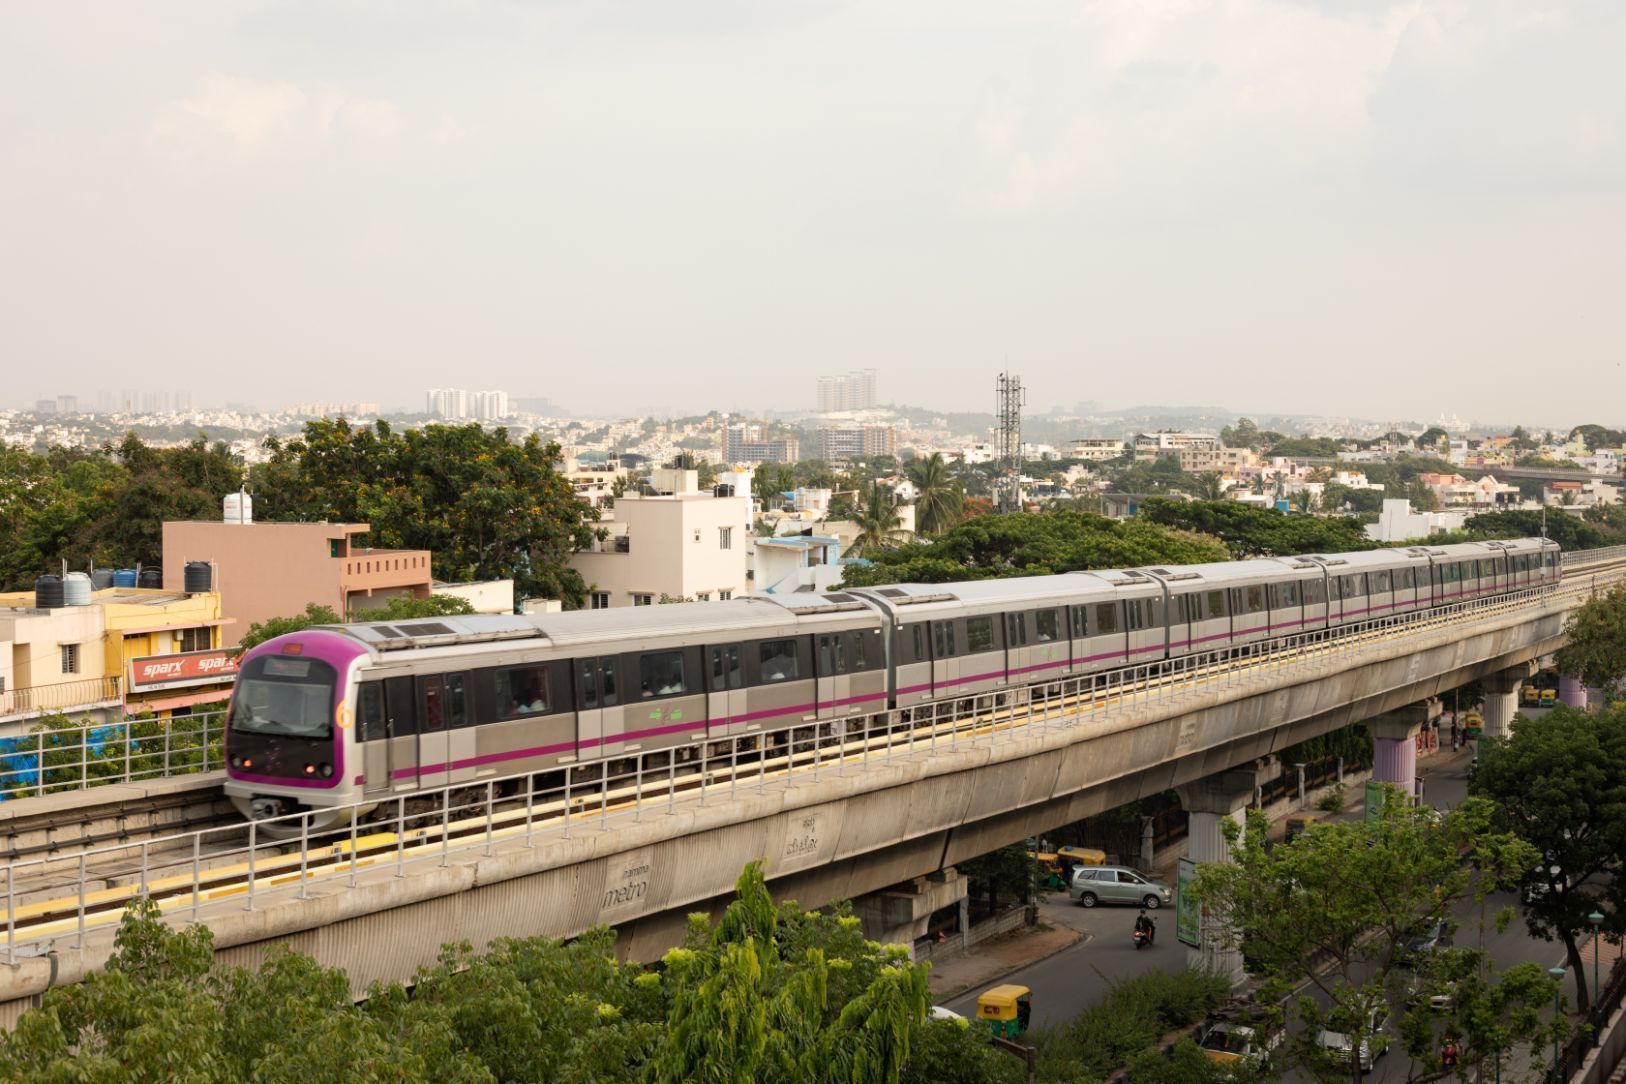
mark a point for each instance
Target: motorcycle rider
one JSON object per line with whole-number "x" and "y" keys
{"x": 1145, "y": 925}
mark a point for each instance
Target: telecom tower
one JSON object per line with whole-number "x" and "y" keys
{"x": 1008, "y": 486}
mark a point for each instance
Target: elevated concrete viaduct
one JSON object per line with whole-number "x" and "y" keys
{"x": 854, "y": 828}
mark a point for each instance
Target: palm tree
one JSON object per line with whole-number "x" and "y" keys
{"x": 1210, "y": 487}
{"x": 878, "y": 524}
{"x": 939, "y": 499}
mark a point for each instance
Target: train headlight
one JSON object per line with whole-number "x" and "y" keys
{"x": 236, "y": 762}
{"x": 327, "y": 771}
{"x": 310, "y": 769}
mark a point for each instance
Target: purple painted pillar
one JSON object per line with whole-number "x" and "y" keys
{"x": 1394, "y": 743}
{"x": 1394, "y": 760}
{"x": 1571, "y": 691}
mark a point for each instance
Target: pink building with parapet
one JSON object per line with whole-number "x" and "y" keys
{"x": 266, "y": 570}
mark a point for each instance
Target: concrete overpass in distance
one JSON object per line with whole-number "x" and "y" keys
{"x": 885, "y": 807}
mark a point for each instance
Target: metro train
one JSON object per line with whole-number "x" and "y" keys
{"x": 337, "y": 716}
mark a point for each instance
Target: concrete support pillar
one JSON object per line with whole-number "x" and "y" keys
{"x": 902, "y": 913}
{"x": 1571, "y": 690}
{"x": 1209, "y": 803}
{"x": 1502, "y": 699}
{"x": 1394, "y": 739}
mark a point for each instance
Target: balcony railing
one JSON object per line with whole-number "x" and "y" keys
{"x": 615, "y": 544}
{"x": 61, "y": 696}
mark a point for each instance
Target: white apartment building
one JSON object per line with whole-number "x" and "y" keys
{"x": 682, "y": 544}
{"x": 460, "y": 404}
{"x": 1097, "y": 448}
{"x": 847, "y": 391}
{"x": 1149, "y": 446}
{"x": 1398, "y": 523}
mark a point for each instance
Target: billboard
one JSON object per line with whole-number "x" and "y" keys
{"x": 1187, "y": 915}
{"x": 187, "y": 667}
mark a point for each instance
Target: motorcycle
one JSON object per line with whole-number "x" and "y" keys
{"x": 1142, "y": 938}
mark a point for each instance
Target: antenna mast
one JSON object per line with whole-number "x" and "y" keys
{"x": 1008, "y": 485}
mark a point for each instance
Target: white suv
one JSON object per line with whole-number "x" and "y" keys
{"x": 1116, "y": 884}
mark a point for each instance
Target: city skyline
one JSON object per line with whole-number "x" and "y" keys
{"x": 639, "y": 213}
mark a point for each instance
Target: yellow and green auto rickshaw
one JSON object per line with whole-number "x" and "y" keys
{"x": 1549, "y": 697}
{"x": 1474, "y": 724}
{"x": 1082, "y": 856}
{"x": 1050, "y": 873}
{"x": 1006, "y": 1009}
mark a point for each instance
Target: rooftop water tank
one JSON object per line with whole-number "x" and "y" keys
{"x": 150, "y": 578}
{"x": 199, "y": 577}
{"x": 48, "y": 592}
{"x": 124, "y": 577}
{"x": 101, "y": 579}
{"x": 238, "y": 508}
{"x": 76, "y": 589}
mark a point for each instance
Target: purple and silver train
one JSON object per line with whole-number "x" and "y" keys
{"x": 359, "y": 714}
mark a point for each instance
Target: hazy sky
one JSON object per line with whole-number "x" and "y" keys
{"x": 1386, "y": 209}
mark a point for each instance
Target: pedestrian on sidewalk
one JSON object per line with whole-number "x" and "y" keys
{"x": 1454, "y": 733}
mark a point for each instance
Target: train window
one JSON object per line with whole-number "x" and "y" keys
{"x": 1183, "y": 605}
{"x": 832, "y": 654}
{"x": 589, "y": 683}
{"x": 456, "y": 701}
{"x": 1284, "y": 595}
{"x": 917, "y": 640}
{"x": 1045, "y": 625}
{"x": 432, "y": 703}
{"x": 1315, "y": 592}
{"x": 1403, "y": 579}
{"x": 979, "y": 634}
{"x": 1016, "y": 629}
{"x": 1106, "y": 619}
{"x": 1079, "y": 628}
{"x": 1214, "y": 605}
{"x": 779, "y": 661}
{"x": 725, "y": 668}
{"x": 858, "y": 658}
{"x": 522, "y": 690}
{"x": 1352, "y": 586}
{"x": 1256, "y": 599}
{"x": 1134, "y": 616}
{"x": 943, "y": 639}
{"x": 1380, "y": 583}
{"x": 370, "y": 712}
{"x": 660, "y": 673}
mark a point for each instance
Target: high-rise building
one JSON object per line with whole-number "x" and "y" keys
{"x": 45, "y": 406}
{"x": 838, "y": 442}
{"x": 67, "y": 404}
{"x": 745, "y": 442}
{"x": 847, "y": 391}
{"x": 458, "y": 404}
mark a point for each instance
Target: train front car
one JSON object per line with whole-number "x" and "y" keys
{"x": 289, "y": 743}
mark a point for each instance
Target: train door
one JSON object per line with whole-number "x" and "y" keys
{"x": 945, "y": 664}
{"x": 461, "y": 735}
{"x": 401, "y": 730}
{"x": 372, "y": 737}
{"x": 599, "y": 715}
{"x": 834, "y": 687}
{"x": 725, "y": 690}
{"x": 1179, "y": 614}
{"x": 434, "y": 745}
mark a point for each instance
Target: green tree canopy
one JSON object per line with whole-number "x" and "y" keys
{"x": 1336, "y": 907}
{"x": 771, "y": 994}
{"x": 1559, "y": 783}
{"x": 1024, "y": 544}
{"x": 1250, "y": 531}
{"x": 405, "y": 608}
{"x": 1570, "y": 532}
{"x": 486, "y": 506}
{"x": 1595, "y": 645}
{"x": 261, "y": 631}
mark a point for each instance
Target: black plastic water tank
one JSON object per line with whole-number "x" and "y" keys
{"x": 199, "y": 577}
{"x": 101, "y": 579}
{"x": 48, "y": 594}
{"x": 150, "y": 578}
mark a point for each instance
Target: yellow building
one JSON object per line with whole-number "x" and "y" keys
{"x": 166, "y": 647}
{"x": 131, "y": 650}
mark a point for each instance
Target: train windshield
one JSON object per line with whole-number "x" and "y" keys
{"x": 280, "y": 695}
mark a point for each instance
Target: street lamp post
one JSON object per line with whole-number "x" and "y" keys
{"x": 1558, "y": 1007}
{"x": 1596, "y": 918}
